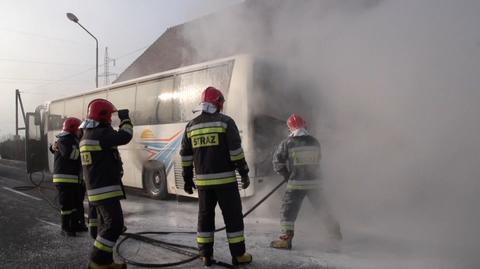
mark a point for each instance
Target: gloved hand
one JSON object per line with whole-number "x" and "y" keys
{"x": 55, "y": 146}
{"x": 245, "y": 182}
{"x": 123, "y": 114}
{"x": 189, "y": 186}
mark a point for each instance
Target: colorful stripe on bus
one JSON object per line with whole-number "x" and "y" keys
{"x": 161, "y": 149}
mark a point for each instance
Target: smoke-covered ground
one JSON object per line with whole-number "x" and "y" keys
{"x": 396, "y": 90}
{"x": 30, "y": 234}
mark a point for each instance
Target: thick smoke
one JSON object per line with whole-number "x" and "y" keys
{"x": 396, "y": 84}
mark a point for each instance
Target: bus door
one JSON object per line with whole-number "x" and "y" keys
{"x": 35, "y": 143}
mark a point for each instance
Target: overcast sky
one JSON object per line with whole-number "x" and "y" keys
{"x": 46, "y": 56}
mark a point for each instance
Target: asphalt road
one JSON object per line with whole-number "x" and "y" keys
{"x": 30, "y": 231}
{"x": 29, "y": 227}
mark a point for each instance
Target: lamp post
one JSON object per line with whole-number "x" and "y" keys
{"x": 74, "y": 18}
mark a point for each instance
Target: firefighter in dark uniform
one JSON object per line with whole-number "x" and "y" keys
{"x": 80, "y": 210}
{"x": 298, "y": 159}
{"x": 211, "y": 144}
{"x": 102, "y": 169}
{"x": 66, "y": 170}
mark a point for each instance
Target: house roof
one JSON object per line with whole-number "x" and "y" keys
{"x": 174, "y": 48}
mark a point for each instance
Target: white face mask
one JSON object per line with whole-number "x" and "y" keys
{"x": 206, "y": 107}
{"x": 88, "y": 123}
{"x": 299, "y": 132}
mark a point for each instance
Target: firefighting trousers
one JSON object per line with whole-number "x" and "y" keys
{"x": 228, "y": 197}
{"x": 110, "y": 225}
{"x": 292, "y": 202}
{"x": 67, "y": 194}
{"x": 92, "y": 221}
{"x": 80, "y": 211}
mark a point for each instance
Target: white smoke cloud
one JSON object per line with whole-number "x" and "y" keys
{"x": 397, "y": 112}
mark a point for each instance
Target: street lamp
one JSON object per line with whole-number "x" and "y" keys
{"x": 74, "y": 18}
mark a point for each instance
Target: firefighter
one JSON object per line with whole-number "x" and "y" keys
{"x": 297, "y": 158}
{"x": 102, "y": 168}
{"x": 211, "y": 144}
{"x": 66, "y": 170}
{"x": 80, "y": 197}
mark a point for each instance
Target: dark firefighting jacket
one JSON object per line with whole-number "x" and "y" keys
{"x": 211, "y": 144}
{"x": 66, "y": 166}
{"x": 298, "y": 159}
{"x": 102, "y": 165}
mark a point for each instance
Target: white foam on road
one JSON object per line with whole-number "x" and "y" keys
{"x": 23, "y": 194}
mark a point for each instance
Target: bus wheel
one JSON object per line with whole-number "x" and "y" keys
{"x": 155, "y": 183}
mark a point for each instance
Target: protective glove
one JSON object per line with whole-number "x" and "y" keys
{"x": 245, "y": 182}
{"x": 189, "y": 186}
{"x": 123, "y": 114}
{"x": 55, "y": 146}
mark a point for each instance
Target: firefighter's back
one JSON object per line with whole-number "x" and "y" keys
{"x": 211, "y": 155}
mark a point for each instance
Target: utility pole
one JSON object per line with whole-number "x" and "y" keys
{"x": 106, "y": 66}
{"x": 18, "y": 100}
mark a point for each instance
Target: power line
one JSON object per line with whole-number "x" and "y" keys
{"x": 33, "y": 79}
{"x": 67, "y": 78}
{"x": 42, "y": 36}
{"x": 88, "y": 70}
{"x": 38, "y": 62}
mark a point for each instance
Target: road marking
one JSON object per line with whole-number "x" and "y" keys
{"x": 48, "y": 222}
{"x": 21, "y": 193}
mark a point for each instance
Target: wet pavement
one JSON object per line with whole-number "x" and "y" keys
{"x": 30, "y": 233}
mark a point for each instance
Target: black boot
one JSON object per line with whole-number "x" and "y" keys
{"x": 67, "y": 226}
{"x": 78, "y": 222}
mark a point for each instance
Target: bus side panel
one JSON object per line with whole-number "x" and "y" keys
{"x": 132, "y": 173}
{"x": 236, "y": 107}
{"x": 160, "y": 143}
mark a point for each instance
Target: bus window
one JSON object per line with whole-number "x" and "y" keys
{"x": 57, "y": 108}
{"x": 189, "y": 87}
{"x": 167, "y": 100}
{"x": 55, "y": 122}
{"x": 74, "y": 107}
{"x": 220, "y": 77}
{"x": 154, "y": 102}
{"x": 56, "y": 114}
{"x": 122, "y": 98}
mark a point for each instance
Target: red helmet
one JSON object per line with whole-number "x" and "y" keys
{"x": 214, "y": 96}
{"x": 70, "y": 125}
{"x": 101, "y": 110}
{"x": 295, "y": 122}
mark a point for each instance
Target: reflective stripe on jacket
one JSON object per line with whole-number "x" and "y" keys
{"x": 298, "y": 159}
{"x": 66, "y": 165}
{"x": 212, "y": 146}
{"x": 102, "y": 165}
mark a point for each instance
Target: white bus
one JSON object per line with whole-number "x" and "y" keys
{"x": 160, "y": 106}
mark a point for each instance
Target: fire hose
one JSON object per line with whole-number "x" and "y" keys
{"x": 185, "y": 250}
{"x": 38, "y": 186}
